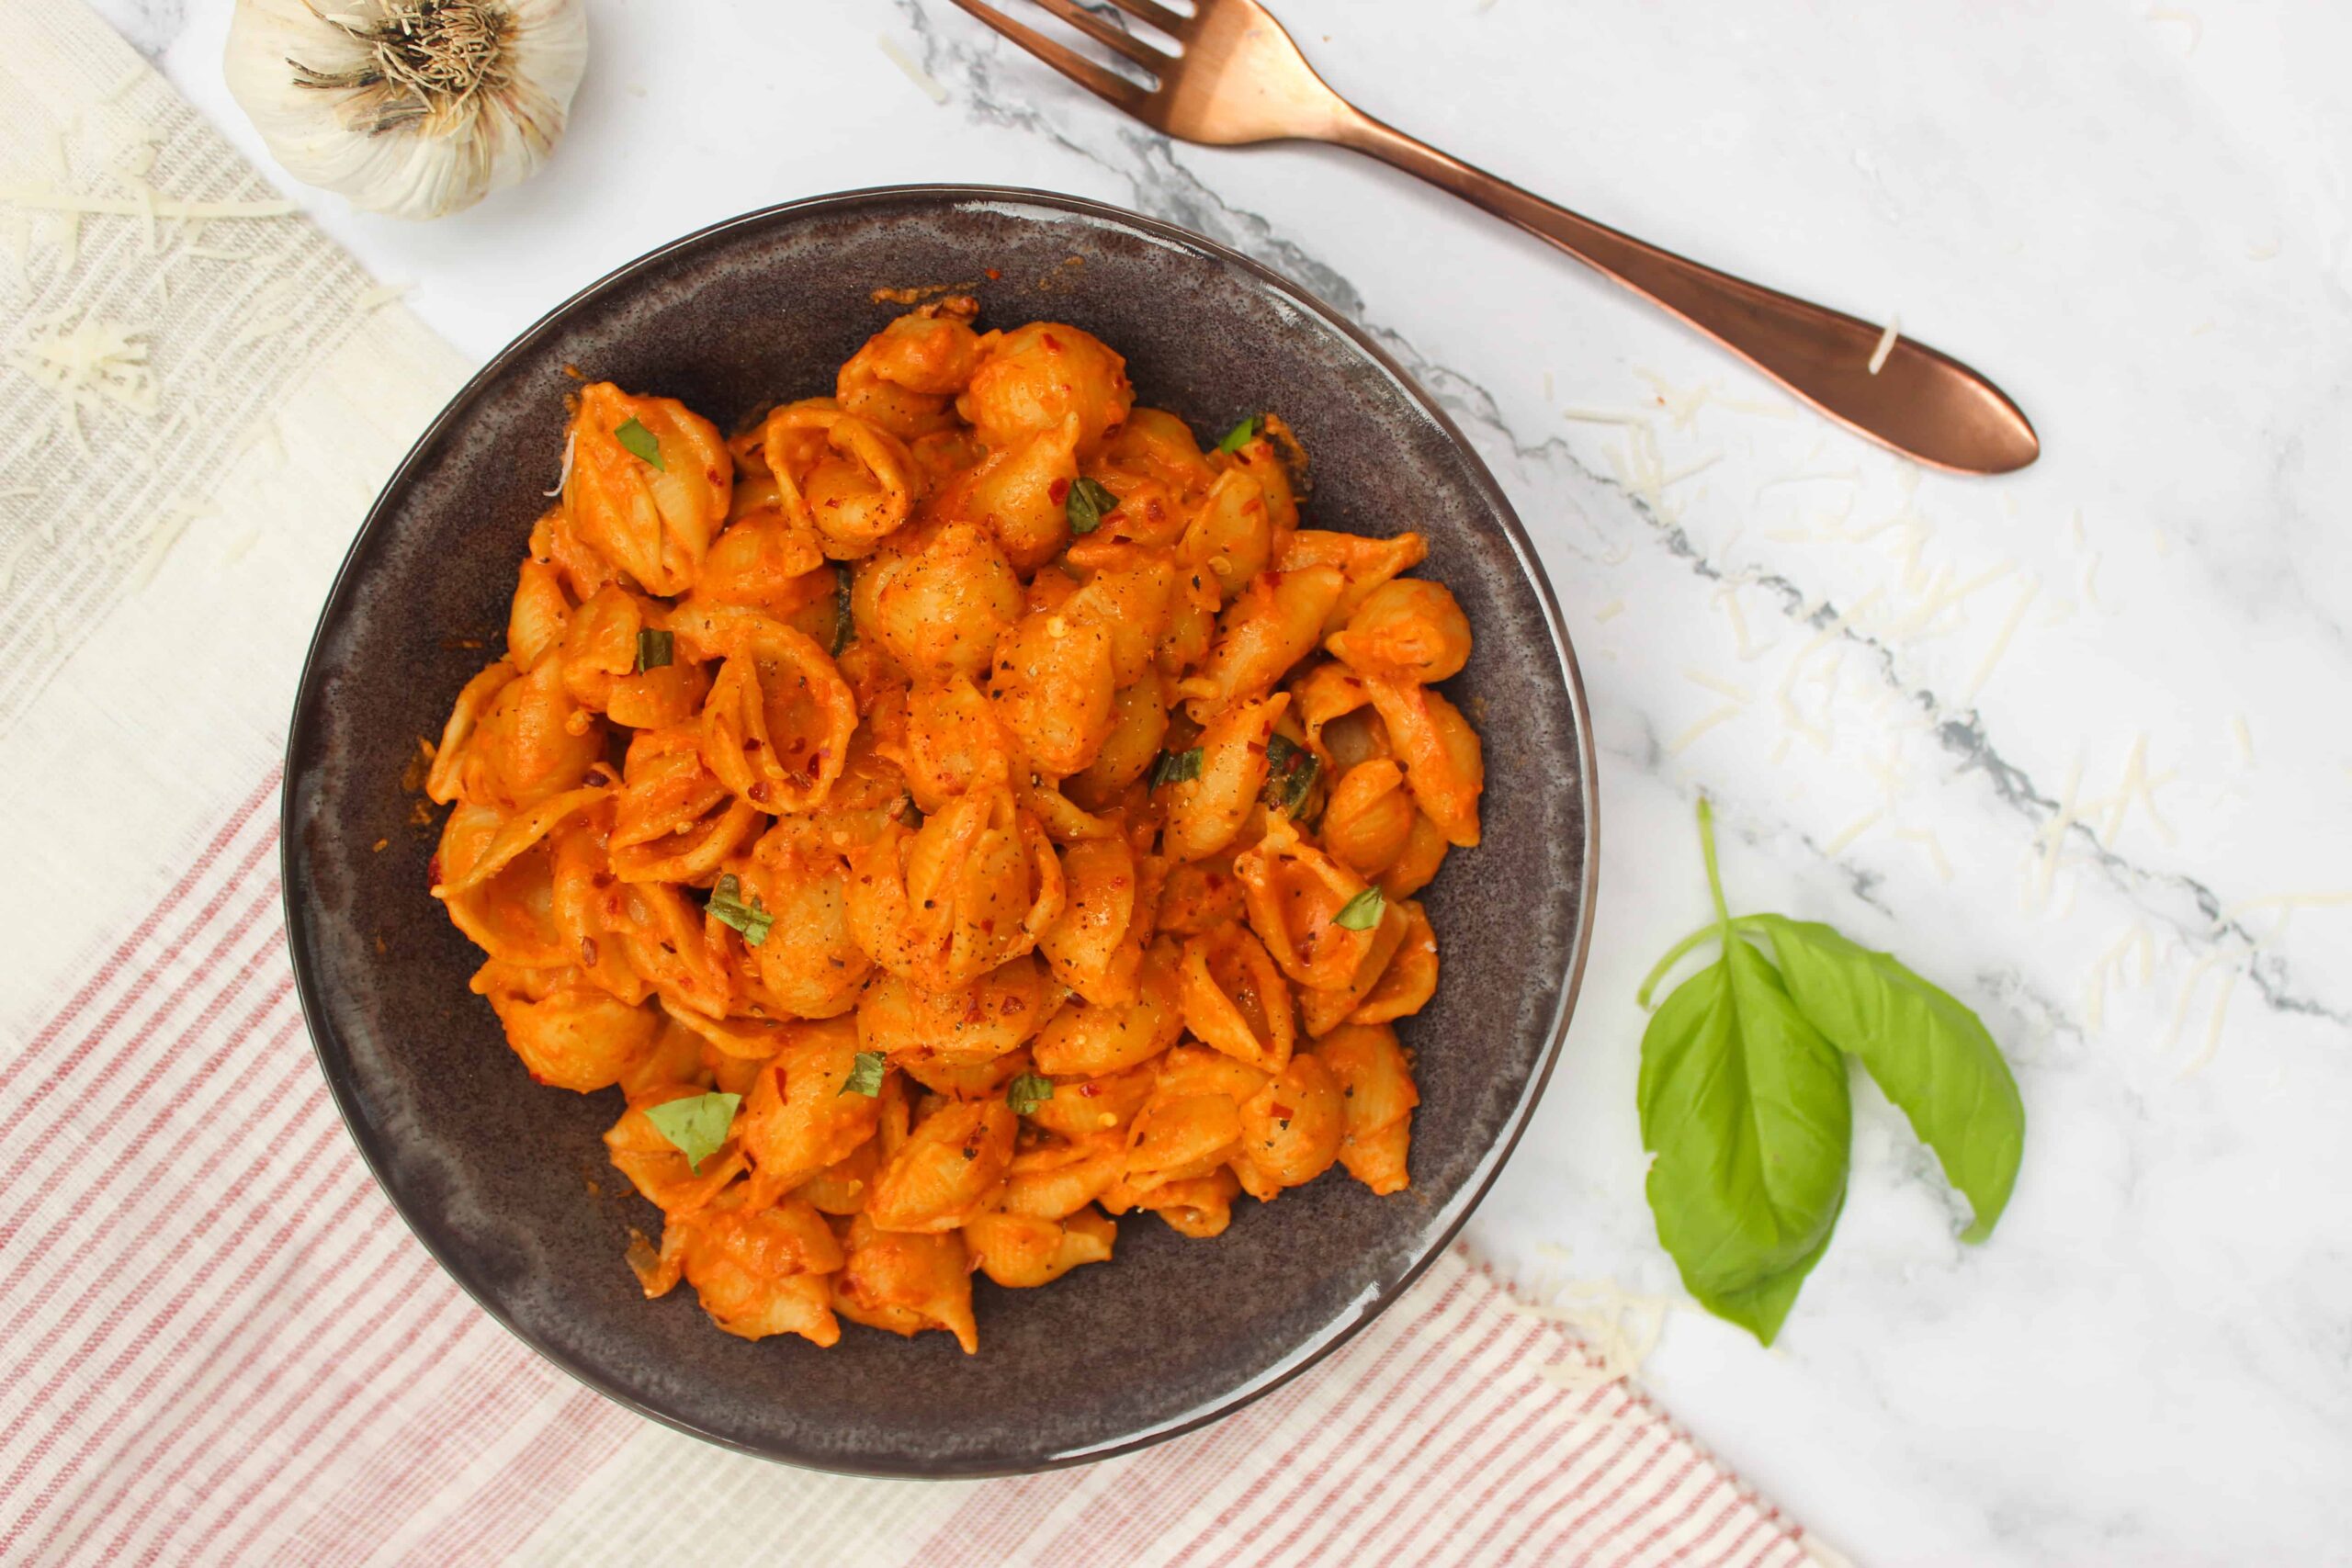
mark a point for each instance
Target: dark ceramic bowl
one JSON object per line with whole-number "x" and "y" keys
{"x": 506, "y": 1182}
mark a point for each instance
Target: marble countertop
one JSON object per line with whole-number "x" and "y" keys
{"x": 2071, "y": 741}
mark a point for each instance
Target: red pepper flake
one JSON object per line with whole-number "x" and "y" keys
{"x": 993, "y": 274}
{"x": 1058, "y": 492}
{"x": 588, "y": 952}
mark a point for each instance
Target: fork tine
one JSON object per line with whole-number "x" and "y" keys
{"x": 1172, "y": 23}
{"x": 1103, "y": 83}
{"x": 1106, "y": 35}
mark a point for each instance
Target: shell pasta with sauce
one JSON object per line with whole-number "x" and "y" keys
{"x": 958, "y": 813}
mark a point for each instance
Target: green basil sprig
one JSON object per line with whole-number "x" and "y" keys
{"x": 1176, "y": 767}
{"x": 752, "y": 919}
{"x": 865, "y": 1075}
{"x": 697, "y": 1126}
{"x": 1088, "y": 503}
{"x": 1362, "y": 912}
{"x": 1028, "y": 1091}
{"x": 1744, "y": 1099}
{"x": 1291, "y": 772}
{"x": 639, "y": 442}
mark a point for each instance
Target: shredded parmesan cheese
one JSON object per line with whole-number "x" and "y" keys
{"x": 1617, "y": 1328}
{"x": 2000, "y": 642}
{"x": 161, "y": 537}
{"x": 1683, "y": 742}
{"x": 2243, "y": 733}
{"x": 914, "y": 73}
{"x": 1926, "y": 838}
{"x": 2187, "y": 995}
{"x": 1602, "y": 416}
{"x": 2139, "y": 786}
{"x": 1610, "y": 611}
{"x": 1717, "y": 684}
{"x": 1682, "y": 407}
{"x": 1852, "y": 831}
{"x": 382, "y": 295}
{"x": 1886, "y": 344}
{"x": 564, "y": 477}
{"x": 2050, "y": 842}
{"x": 2188, "y": 20}
{"x": 93, "y": 363}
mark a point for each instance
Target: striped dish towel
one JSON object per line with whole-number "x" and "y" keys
{"x": 220, "y": 1344}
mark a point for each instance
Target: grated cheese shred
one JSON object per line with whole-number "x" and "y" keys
{"x": 1886, "y": 341}
{"x": 913, "y": 71}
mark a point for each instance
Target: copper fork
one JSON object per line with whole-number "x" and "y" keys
{"x": 1237, "y": 78}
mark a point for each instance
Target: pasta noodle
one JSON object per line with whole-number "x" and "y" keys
{"x": 955, "y": 813}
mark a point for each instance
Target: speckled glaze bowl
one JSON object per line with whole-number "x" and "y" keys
{"x": 506, "y": 1184}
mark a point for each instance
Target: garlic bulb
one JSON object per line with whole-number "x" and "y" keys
{"x": 411, "y": 107}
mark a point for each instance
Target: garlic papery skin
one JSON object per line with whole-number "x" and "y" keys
{"x": 410, "y": 107}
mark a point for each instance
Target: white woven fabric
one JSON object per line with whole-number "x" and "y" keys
{"x": 220, "y": 1343}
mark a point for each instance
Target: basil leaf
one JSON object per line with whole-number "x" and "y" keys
{"x": 728, "y": 907}
{"x": 1362, "y": 912}
{"x": 845, "y": 624}
{"x": 1028, "y": 1091}
{"x": 866, "y": 1077}
{"x": 1933, "y": 1057}
{"x": 1290, "y": 770}
{"x": 654, "y": 650}
{"x": 1746, "y": 1108}
{"x": 1239, "y": 436}
{"x": 698, "y": 1125}
{"x": 1761, "y": 1308}
{"x": 639, "y": 442}
{"x": 1176, "y": 767}
{"x": 1088, "y": 503}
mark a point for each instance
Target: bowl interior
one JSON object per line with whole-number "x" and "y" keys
{"x": 506, "y": 1181}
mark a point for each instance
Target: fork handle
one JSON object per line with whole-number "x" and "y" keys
{"x": 1922, "y": 404}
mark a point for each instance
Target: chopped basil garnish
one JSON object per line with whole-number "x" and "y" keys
{"x": 865, "y": 1078}
{"x": 1088, "y": 503}
{"x": 1291, "y": 770}
{"x": 1028, "y": 1091}
{"x": 1362, "y": 912}
{"x": 1239, "y": 436}
{"x": 654, "y": 650}
{"x": 1176, "y": 767}
{"x": 639, "y": 442}
{"x": 844, "y": 626}
{"x": 727, "y": 905}
{"x": 696, "y": 1125}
